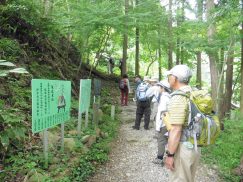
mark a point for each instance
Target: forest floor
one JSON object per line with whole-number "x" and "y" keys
{"x": 132, "y": 153}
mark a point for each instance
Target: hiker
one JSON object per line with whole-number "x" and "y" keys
{"x": 181, "y": 156}
{"x": 151, "y": 91}
{"x": 125, "y": 89}
{"x": 143, "y": 105}
{"x": 110, "y": 65}
{"x": 137, "y": 81}
{"x": 163, "y": 97}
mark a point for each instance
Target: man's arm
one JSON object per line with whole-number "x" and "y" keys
{"x": 173, "y": 142}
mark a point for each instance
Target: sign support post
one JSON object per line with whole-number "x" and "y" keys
{"x": 45, "y": 137}
{"x": 62, "y": 137}
{"x": 86, "y": 118}
{"x": 113, "y": 112}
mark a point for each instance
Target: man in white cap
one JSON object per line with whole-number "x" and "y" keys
{"x": 181, "y": 157}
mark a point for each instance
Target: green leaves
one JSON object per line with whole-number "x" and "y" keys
{"x": 9, "y": 64}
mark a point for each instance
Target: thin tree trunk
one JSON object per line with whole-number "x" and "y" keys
{"x": 137, "y": 48}
{"x": 229, "y": 82}
{"x": 199, "y": 71}
{"x": 178, "y": 51}
{"x": 125, "y": 41}
{"x": 137, "y": 52}
{"x": 160, "y": 63}
{"x": 241, "y": 68}
{"x": 199, "y": 55}
{"x": 170, "y": 59}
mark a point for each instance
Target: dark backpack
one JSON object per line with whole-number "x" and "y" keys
{"x": 123, "y": 84}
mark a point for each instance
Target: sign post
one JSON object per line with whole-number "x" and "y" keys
{"x": 84, "y": 102}
{"x": 45, "y": 139}
{"x": 113, "y": 112}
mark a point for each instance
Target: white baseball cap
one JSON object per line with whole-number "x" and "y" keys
{"x": 165, "y": 84}
{"x": 182, "y": 72}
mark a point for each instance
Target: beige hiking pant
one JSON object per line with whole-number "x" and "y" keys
{"x": 186, "y": 162}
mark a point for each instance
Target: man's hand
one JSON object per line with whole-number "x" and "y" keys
{"x": 169, "y": 163}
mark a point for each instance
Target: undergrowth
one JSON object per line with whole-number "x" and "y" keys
{"x": 228, "y": 150}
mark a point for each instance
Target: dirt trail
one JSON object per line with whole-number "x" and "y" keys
{"x": 132, "y": 155}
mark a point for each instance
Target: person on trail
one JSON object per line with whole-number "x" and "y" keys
{"x": 110, "y": 65}
{"x": 163, "y": 97}
{"x": 125, "y": 89}
{"x": 137, "y": 81}
{"x": 143, "y": 105}
{"x": 150, "y": 93}
{"x": 182, "y": 158}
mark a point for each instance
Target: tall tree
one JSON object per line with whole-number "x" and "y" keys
{"x": 170, "y": 58}
{"x": 241, "y": 83}
{"x": 125, "y": 40}
{"x": 198, "y": 53}
{"x": 137, "y": 47}
{"x": 211, "y": 52}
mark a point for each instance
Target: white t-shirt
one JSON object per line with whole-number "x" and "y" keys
{"x": 162, "y": 107}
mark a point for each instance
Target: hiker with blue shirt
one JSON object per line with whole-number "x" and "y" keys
{"x": 143, "y": 105}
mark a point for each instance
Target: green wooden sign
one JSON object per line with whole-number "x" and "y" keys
{"x": 84, "y": 95}
{"x": 51, "y": 102}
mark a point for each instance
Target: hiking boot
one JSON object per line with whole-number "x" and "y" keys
{"x": 135, "y": 128}
{"x": 158, "y": 161}
{"x": 146, "y": 128}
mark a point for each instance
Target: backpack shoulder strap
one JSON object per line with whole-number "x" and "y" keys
{"x": 179, "y": 92}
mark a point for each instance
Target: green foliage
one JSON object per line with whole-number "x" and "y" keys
{"x": 227, "y": 152}
{"x": 9, "y": 49}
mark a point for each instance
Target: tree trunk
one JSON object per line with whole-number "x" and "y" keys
{"x": 137, "y": 49}
{"x": 199, "y": 71}
{"x": 211, "y": 53}
{"x": 199, "y": 57}
{"x": 178, "y": 50}
{"x": 229, "y": 83}
{"x": 125, "y": 41}
{"x": 241, "y": 68}
{"x": 160, "y": 63}
{"x": 182, "y": 54}
{"x": 170, "y": 59}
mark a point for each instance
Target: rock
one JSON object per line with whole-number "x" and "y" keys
{"x": 91, "y": 141}
{"x": 53, "y": 138}
{"x": 98, "y": 132}
{"x": 36, "y": 176}
{"x": 69, "y": 144}
{"x": 85, "y": 139}
{"x": 104, "y": 134}
{"x": 73, "y": 132}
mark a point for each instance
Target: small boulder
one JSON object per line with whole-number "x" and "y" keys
{"x": 98, "y": 132}
{"x": 69, "y": 144}
{"x": 91, "y": 141}
{"x": 85, "y": 139}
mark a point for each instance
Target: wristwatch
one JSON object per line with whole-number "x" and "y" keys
{"x": 168, "y": 154}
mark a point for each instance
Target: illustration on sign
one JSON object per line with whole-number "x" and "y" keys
{"x": 51, "y": 102}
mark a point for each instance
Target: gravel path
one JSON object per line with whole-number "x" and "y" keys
{"x": 131, "y": 156}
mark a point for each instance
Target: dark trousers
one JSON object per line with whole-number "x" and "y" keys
{"x": 124, "y": 97}
{"x": 143, "y": 108}
{"x": 162, "y": 140}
